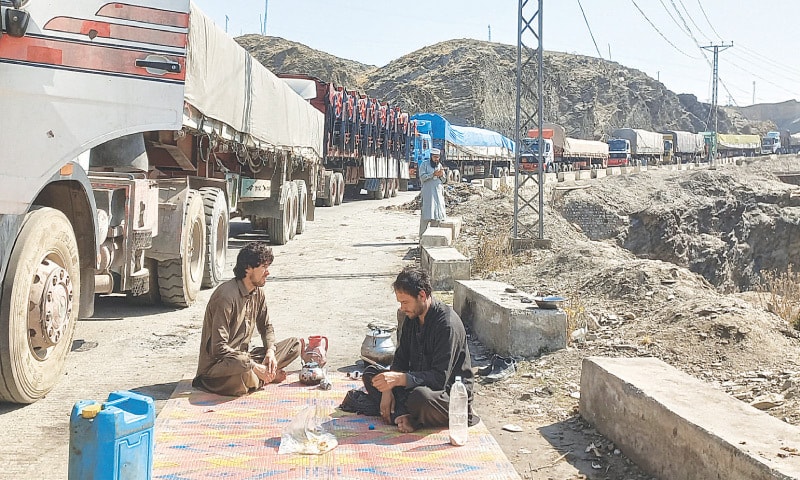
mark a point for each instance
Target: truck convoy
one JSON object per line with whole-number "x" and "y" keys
{"x": 683, "y": 147}
{"x": 364, "y": 141}
{"x": 137, "y": 129}
{"x": 562, "y": 153}
{"x": 469, "y": 152}
{"x": 631, "y": 146}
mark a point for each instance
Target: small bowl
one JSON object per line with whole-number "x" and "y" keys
{"x": 549, "y": 303}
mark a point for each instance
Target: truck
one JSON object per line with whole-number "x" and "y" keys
{"x": 364, "y": 141}
{"x": 418, "y": 149}
{"x": 138, "y": 129}
{"x": 562, "y": 153}
{"x": 469, "y": 152}
{"x": 774, "y": 143}
{"x": 633, "y": 146}
{"x": 683, "y": 147}
{"x": 794, "y": 143}
{"x": 731, "y": 145}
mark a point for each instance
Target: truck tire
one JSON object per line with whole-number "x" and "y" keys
{"x": 330, "y": 191}
{"x": 379, "y": 193}
{"x": 43, "y": 271}
{"x": 457, "y": 176}
{"x": 403, "y": 185}
{"x": 393, "y": 188}
{"x": 179, "y": 279}
{"x": 339, "y": 189}
{"x": 283, "y": 228}
{"x": 217, "y": 226}
{"x": 302, "y": 205}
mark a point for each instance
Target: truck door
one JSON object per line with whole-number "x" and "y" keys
{"x": 84, "y": 72}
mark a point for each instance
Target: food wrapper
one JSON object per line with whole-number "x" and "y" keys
{"x": 305, "y": 434}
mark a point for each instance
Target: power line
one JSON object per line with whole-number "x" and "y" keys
{"x": 707, "y": 20}
{"x": 590, "y": 30}
{"x": 672, "y": 17}
{"x": 686, "y": 10}
{"x": 659, "y": 31}
{"x": 762, "y": 78}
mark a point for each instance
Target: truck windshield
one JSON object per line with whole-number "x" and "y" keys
{"x": 617, "y": 145}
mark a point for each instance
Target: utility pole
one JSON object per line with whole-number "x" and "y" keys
{"x": 490, "y": 33}
{"x": 264, "y": 27}
{"x": 226, "y": 23}
{"x": 714, "y": 97}
{"x": 754, "y": 92}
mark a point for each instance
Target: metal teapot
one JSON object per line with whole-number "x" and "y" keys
{"x": 378, "y": 346}
{"x": 313, "y": 350}
{"x": 312, "y": 373}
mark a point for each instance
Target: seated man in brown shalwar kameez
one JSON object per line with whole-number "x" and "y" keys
{"x": 235, "y": 309}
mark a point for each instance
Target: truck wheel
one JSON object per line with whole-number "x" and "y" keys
{"x": 339, "y": 179}
{"x": 39, "y": 307}
{"x": 403, "y": 184}
{"x": 302, "y": 205}
{"x": 457, "y": 176}
{"x": 393, "y": 189}
{"x": 330, "y": 190}
{"x": 179, "y": 279}
{"x": 283, "y": 228}
{"x": 379, "y": 193}
{"x": 217, "y": 225}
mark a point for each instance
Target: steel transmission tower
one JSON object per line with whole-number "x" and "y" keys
{"x": 714, "y": 96}
{"x": 529, "y": 186}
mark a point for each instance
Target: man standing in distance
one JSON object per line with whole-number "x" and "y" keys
{"x": 235, "y": 309}
{"x": 432, "y": 176}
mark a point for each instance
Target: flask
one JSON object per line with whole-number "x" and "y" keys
{"x": 458, "y": 413}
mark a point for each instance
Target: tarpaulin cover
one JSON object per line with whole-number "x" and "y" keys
{"x": 643, "y": 142}
{"x": 477, "y": 140}
{"x": 738, "y": 141}
{"x": 687, "y": 142}
{"x": 227, "y": 84}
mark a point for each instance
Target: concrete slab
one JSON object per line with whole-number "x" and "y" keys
{"x": 566, "y": 176}
{"x": 599, "y": 173}
{"x": 491, "y": 183}
{"x": 477, "y": 182}
{"x": 551, "y": 177}
{"x": 611, "y": 171}
{"x": 454, "y": 224}
{"x": 436, "y": 237}
{"x": 445, "y": 265}
{"x": 507, "y": 321}
{"x": 583, "y": 174}
{"x": 676, "y": 426}
{"x": 507, "y": 181}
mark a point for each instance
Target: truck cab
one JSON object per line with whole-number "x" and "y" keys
{"x": 418, "y": 149}
{"x": 771, "y": 143}
{"x": 528, "y": 162}
{"x": 619, "y": 152}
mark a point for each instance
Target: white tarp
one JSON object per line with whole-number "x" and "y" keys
{"x": 575, "y": 147}
{"x": 643, "y": 142}
{"x": 225, "y": 83}
{"x": 687, "y": 142}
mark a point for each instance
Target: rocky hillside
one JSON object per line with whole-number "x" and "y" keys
{"x": 785, "y": 115}
{"x": 472, "y": 82}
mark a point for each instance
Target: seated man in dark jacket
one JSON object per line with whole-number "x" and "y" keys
{"x": 431, "y": 352}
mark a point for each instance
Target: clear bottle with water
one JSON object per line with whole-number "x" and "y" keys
{"x": 458, "y": 414}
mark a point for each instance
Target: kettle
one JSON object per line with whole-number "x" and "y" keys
{"x": 311, "y": 373}
{"x": 314, "y": 351}
{"x": 378, "y": 346}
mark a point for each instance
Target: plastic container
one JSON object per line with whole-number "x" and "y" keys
{"x": 113, "y": 440}
{"x": 458, "y": 413}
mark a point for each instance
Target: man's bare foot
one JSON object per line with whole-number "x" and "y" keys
{"x": 280, "y": 375}
{"x": 404, "y": 424}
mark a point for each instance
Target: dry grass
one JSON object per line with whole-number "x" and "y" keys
{"x": 779, "y": 293}
{"x": 576, "y": 314}
{"x": 494, "y": 252}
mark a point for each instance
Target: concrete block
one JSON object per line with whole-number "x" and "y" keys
{"x": 491, "y": 183}
{"x": 551, "y": 177}
{"x": 637, "y": 169}
{"x": 454, "y": 224}
{"x": 583, "y": 174}
{"x": 507, "y": 321}
{"x": 676, "y": 426}
{"x": 611, "y": 171}
{"x": 445, "y": 265}
{"x": 599, "y": 173}
{"x": 477, "y": 181}
{"x": 507, "y": 181}
{"x": 436, "y": 237}
{"x": 566, "y": 176}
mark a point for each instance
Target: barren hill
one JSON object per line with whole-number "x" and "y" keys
{"x": 472, "y": 82}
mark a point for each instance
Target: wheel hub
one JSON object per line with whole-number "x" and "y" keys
{"x": 51, "y": 306}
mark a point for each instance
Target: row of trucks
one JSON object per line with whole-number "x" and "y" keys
{"x": 467, "y": 153}
{"x": 132, "y": 133}
{"x": 781, "y": 142}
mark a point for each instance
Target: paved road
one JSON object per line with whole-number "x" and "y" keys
{"x": 332, "y": 280}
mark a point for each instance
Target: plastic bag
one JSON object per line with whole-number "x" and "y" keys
{"x": 305, "y": 434}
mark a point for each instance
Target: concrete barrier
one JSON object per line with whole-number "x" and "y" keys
{"x": 551, "y": 177}
{"x": 477, "y": 182}
{"x": 454, "y": 224}
{"x": 509, "y": 323}
{"x": 583, "y": 174}
{"x": 599, "y": 173}
{"x": 566, "y": 176}
{"x": 611, "y": 171}
{"x": 675, "y": 426}
{"x": 491, "y": 183}
{"x": 445, "y": 265}
{"x": 436, "y": 237}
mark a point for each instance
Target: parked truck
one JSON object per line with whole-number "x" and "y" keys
{"x": 683, "y": 147}
{"x": 633, "y": 146}
{"x": 469, "y": 152}
{"x": 132, "y": 131}
{"x": 562, "y": 153}
{"x": 774, "y": 143}
{"x": 729, "y": 145}
{"x": 794, "y": 143}
{"x": 364, "y": 141}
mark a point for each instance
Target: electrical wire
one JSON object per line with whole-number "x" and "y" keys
{"x": 659, "y": 31}
{"x": 686, "y": 10}
{"x": 590, "y": 30}
{"x": 708, "y": 21}
{"x": 762, "y": 78}
{"x": 673, "y": 18}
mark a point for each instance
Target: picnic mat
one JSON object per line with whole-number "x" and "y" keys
{"x": 200, "y": 435}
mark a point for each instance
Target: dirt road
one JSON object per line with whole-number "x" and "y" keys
{"x": 333, "y": 280}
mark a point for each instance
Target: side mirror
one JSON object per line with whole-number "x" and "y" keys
{"x": 17, "y": 20}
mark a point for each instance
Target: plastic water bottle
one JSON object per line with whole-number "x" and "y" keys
{"x": 458, "y": 413}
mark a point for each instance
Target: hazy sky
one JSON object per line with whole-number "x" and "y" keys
{"x": 654, "y": 40}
